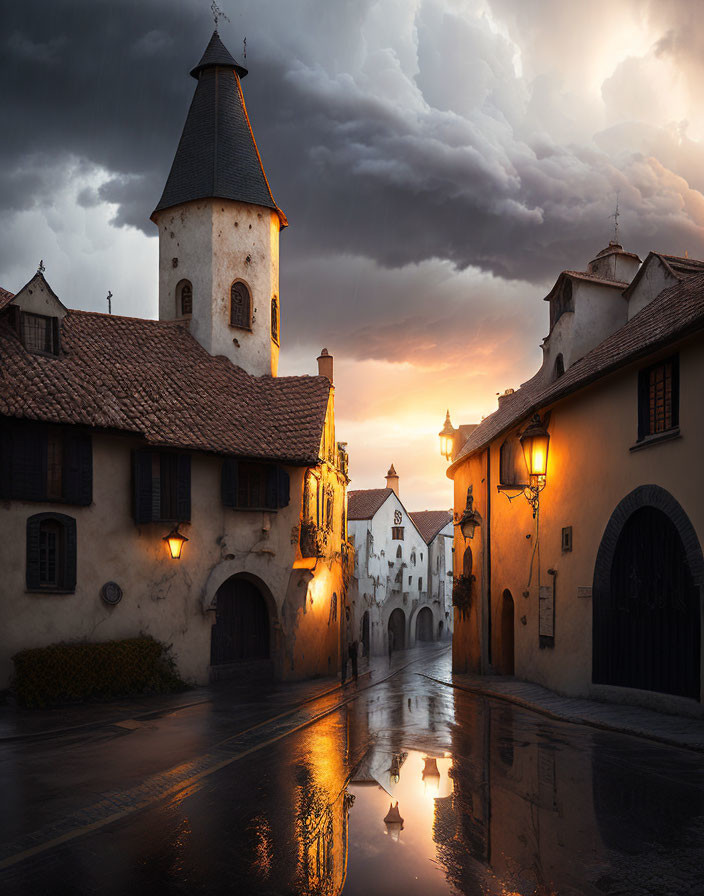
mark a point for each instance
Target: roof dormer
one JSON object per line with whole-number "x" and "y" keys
{"x": 38, "y": 314}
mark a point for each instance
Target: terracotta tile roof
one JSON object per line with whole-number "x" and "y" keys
{"x": 430, "y": 522}
{"x": 154, "y": 379}
{"x": 5, "y": 297}
{"x": 676, "y": 313}
{"x": 364, "y": 503}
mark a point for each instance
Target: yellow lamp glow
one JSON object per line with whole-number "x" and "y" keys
{"x": 535, "y": 442}
{"x": 175, "y": 542}
{"x": 447, "y": 438}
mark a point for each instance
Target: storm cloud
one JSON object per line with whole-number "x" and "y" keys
{"x": 440, "y": 161}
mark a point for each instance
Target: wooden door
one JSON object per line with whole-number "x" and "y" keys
{"x": 241, "y": 630}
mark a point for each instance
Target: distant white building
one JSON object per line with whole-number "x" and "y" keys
{"x": 403, "y": 570}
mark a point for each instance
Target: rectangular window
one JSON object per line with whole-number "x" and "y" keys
{"x": 40, "y": 333}
{"x": 51, "y": 552}
{"x": 162, "y": 486}
{"x": 247, "y": 485}
{"x": 658, "y": 398}
{"x": 45, "y": 463}
{"x": 397, "y": 533}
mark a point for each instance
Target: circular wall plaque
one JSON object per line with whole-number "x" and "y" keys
{"x": 111, "y": 593}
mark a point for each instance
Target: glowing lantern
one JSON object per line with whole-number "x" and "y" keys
{"x": 535, "y": 442}
{"x": 447, "y": 438}
{"x": 175, "y": 542}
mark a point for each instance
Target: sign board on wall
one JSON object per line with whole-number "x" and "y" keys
{"x": 584, "y": 590}
{"x": 546, "y": 618}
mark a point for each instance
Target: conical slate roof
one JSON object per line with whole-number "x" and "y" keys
{"x": 216, "y": 53}
{"x": 217, "y": 156}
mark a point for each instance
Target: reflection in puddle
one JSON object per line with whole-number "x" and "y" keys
{"x": 392, "y": 847}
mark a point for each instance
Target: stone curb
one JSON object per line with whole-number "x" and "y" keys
{"x": 570, "y": 719}
{"x": 107, "y": 723}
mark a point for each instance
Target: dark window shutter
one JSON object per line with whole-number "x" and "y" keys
{"x": 77, "y": 480}
{"x": 229, "y": 482}
{"x": 70, "y": 556}
{"x": 56, "y": 341}
{"x": 33, "y": 524}
{"x": 284, "y": 487}
{"x": 183, "y": 488}
{"x": 29, "y": 463}
{"x": 676, "y": 390}
{"x": 643, "y": 404}
{"x": 142, "y": 483}
{"x": 6, "y": 439}
{"x": 272, "y": 487}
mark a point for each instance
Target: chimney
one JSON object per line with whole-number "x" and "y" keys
{"x": 325, "y": 364}
{"x": 392, "y": 480}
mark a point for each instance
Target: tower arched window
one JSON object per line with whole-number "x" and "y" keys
{"x": 399, "y": 552}
{"x": 184, "y": 299}
{"x": 275, "y": 319}
{"x": 240, "y": 306}
{"x": 559, "y": 366}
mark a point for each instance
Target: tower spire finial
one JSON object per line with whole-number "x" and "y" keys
{"x": 217, "y": 14}
{"x": 616, "y": 215}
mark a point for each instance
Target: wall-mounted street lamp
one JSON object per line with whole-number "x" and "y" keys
{"x": 470, "y": 518}
{"x": 175, "y": 542}
{"x": 447, "y": 438}
{"x": 535, "y": 441}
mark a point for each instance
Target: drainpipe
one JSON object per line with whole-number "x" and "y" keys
{"x": 487, "y": 555}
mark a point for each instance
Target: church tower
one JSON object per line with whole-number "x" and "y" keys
{"x": 219, "y": 225}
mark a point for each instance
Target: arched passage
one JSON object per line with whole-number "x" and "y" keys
{"x": 397, "y": 629}
{"x": 646, "y": 614}
{"x": 242, "y": 629}
{"x": 507, "y": 633}
{"x": 424, "y": 624}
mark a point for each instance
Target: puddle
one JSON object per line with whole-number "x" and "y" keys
{"x": 396, "y": 816}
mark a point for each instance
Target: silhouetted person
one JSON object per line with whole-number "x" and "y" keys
{"x": 353, "y": 648}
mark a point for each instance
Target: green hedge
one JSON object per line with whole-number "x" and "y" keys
{"x": 63, "y": 673}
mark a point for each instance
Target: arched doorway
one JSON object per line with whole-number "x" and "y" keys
{"x": 424, "y": 624}
{"x": 365, "y": 633}
{"x": 646, "y": 616}
{"x": 397, "y": 625}
{"x": 241, "y": 632}
{"x": 507, "y": 633}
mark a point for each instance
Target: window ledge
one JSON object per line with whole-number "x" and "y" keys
{"x": 50, "y": 591}
{"x": 511, "y": 488}
{"x": 240, "y": 327}
{"x": 667, "y": 436}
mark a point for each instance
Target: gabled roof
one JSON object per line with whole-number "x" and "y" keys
{"x": 679, "y": 268}
{"x": 430, "y": 522}
{"x": 582, "y": 275}
{"x": 217, "y": 155}
{"x": 364, "y": 503}
{"x": 676, "y": 313}
{"x": 5, "y": 297}
{"x": 153, "y": 379}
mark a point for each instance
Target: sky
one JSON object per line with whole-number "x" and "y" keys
{"x": 439, "y": 162}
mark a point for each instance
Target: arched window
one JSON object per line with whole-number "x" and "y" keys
{"x": 184, "y": 299}
{"x": 275, "y": 319}
{"x": 240, "y": 306}
{"x": 559, "y": 366}
{"x": 399, "y": 552}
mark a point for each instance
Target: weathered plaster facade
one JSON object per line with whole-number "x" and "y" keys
{"x": 597, "y": 467}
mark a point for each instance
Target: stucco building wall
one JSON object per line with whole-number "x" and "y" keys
{"x": 174, "y": 600}
{"x": 591, "y": 469}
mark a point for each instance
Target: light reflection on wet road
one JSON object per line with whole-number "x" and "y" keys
{"x": 412, "y": 788}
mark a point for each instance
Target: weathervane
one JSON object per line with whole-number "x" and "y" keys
{"x": 217, "y": 14}
{"x": 244, "y": 47}
{"x": 41, "y": 268}
{"x": 616, "y": 215}
{"x": 109, "y": 296}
